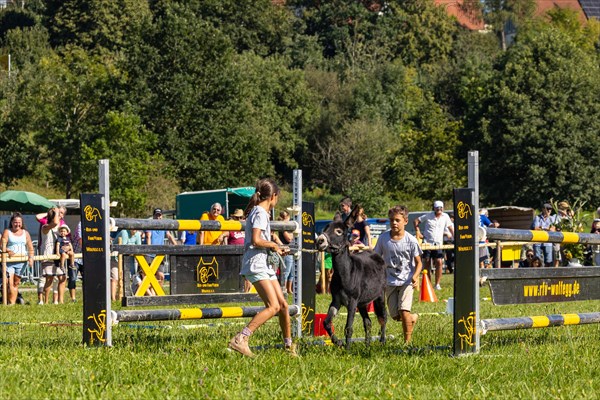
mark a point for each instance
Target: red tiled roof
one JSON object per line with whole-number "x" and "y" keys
{"x": 470, "y": 19}
{"x": 544, "y": 6}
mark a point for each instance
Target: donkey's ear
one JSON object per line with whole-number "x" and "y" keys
{"x": 337, "y": 217}
{"x": 352, "y": 217}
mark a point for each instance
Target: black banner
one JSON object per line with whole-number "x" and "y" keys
{"x": 543, "y": 285}
{"x": 94, "y": 244}
{"x": 308, "y": 268}
{"x": 466, "y": 273}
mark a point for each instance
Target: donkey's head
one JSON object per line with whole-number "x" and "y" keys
{"x": 335, "y": 235}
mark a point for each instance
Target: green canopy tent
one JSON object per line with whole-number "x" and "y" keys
{"x": 191, "y": 205}
{"x": 19, "y": 200}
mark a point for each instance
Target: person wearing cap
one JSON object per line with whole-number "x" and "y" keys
{"x": 434, "y": 223}
{"x": 545, "y": 221}
{"x": 157, "y": 238}
{"x": 213, "y": 237}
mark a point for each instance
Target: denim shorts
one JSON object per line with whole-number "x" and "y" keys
{"x": 15, "y": 268}
{"x": 289, "y": 267}
{"x": 269, "y": 275}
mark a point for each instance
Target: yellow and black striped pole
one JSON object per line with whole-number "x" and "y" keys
{"x": 191, "y": 313}
{"x": 544, "y": 321}
{"x": 541, "y": 236}
{"x": 196, "y": 225}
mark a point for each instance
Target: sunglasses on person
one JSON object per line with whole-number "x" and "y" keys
{"x": 529, "y": 255}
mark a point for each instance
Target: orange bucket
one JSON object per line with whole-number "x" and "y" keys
{"x": 318, "y": 328}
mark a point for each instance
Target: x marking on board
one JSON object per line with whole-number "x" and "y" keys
{"x": 150, "y": 278}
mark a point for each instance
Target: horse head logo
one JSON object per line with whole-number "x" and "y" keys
{"x": 91, "y": 213}
{"x": 307, "y": 219}
{"x": 205, "y": 271}
{"x": 463, "y": 210}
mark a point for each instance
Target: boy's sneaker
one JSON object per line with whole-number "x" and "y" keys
{"x": 438, "y": 287}
{"x": 291, "y": 350}
{"x": 41, "y": 303}
{"x": 239, "y": 343}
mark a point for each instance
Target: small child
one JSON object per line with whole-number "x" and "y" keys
{"x": 64, "y": 248}
{"x": 402, "y": 255}
{"x": 136, "y": 281}
{"x": 355, "y": 238}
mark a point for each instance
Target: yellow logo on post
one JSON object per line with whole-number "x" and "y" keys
{"x": 98, "y": 332}
{"x": 306, "y": 311}
{"x": 307, "y": 219}
{"x": 92, "y": 213}
{"x": 464, "y": 210}
{"x": 468, "y": 327}
{"x": 207, "y": 275}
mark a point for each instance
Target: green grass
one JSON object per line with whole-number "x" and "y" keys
{"x": 41, "y": 361}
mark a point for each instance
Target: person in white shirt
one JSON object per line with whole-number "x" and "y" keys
{"x": 434, "y": 224}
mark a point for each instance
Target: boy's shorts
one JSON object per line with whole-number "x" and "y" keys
{"x": 399, "y": 298}
{"x": 269, "y": 275}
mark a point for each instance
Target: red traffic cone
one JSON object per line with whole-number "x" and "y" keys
{"x": 427, "y": 293}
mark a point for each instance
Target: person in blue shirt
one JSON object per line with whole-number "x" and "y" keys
{"x": 157, "y": 237}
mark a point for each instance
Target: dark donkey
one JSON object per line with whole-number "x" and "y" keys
{"x": 358, "y": 279}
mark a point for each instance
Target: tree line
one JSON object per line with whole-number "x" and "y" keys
{"x": 379, "y": 101}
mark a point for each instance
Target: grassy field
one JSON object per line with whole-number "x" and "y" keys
{"x": 162, "y": 360}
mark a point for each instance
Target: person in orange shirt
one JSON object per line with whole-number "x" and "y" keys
{"x": 213, "y": 237}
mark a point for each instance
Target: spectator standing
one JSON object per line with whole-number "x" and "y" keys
{"x": 596, "y": 247}
{"x": 189, "y": 238}
{"x": 484, "y": 253}
{"x": 402, "y": 255}
{"x": 545, "y": 222}
{"x": 345, "y": 207}
{"x": 18, "y": 244}
{"x": 213, "y": 237}
{"x": 50, "y": 270}
{"x": 236, "y": 238}
{"x": 288, "y": 260}
{"x": 363, "y": 227}
{"x": 157, "y": 238}
{"x": 355, "y": 238}
{"x": 42, "y": 218}
{"x": 78, "y": 268}
{"x": 435, "y": 223}
{"x": 257, "y": 271}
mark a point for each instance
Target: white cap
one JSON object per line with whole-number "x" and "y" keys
{"x": 437, "y": 204}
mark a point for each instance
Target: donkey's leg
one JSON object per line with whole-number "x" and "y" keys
{"x": 334, "y": 307}
{"x": 379, "y": 305}
{"x": 352, "y": 303}
{"x": 366, "y": 323}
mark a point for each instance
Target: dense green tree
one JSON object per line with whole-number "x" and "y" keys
{"x": 251, "y": 25}
{"x": 223, "y": 118}
{"x": 12, "y": 18}
{"x": 62, "y": 108}
{"x": 94, "y": 24}
{"x": 537, "y": 132}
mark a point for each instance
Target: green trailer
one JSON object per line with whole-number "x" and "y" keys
{"x": 191, "y": 205}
